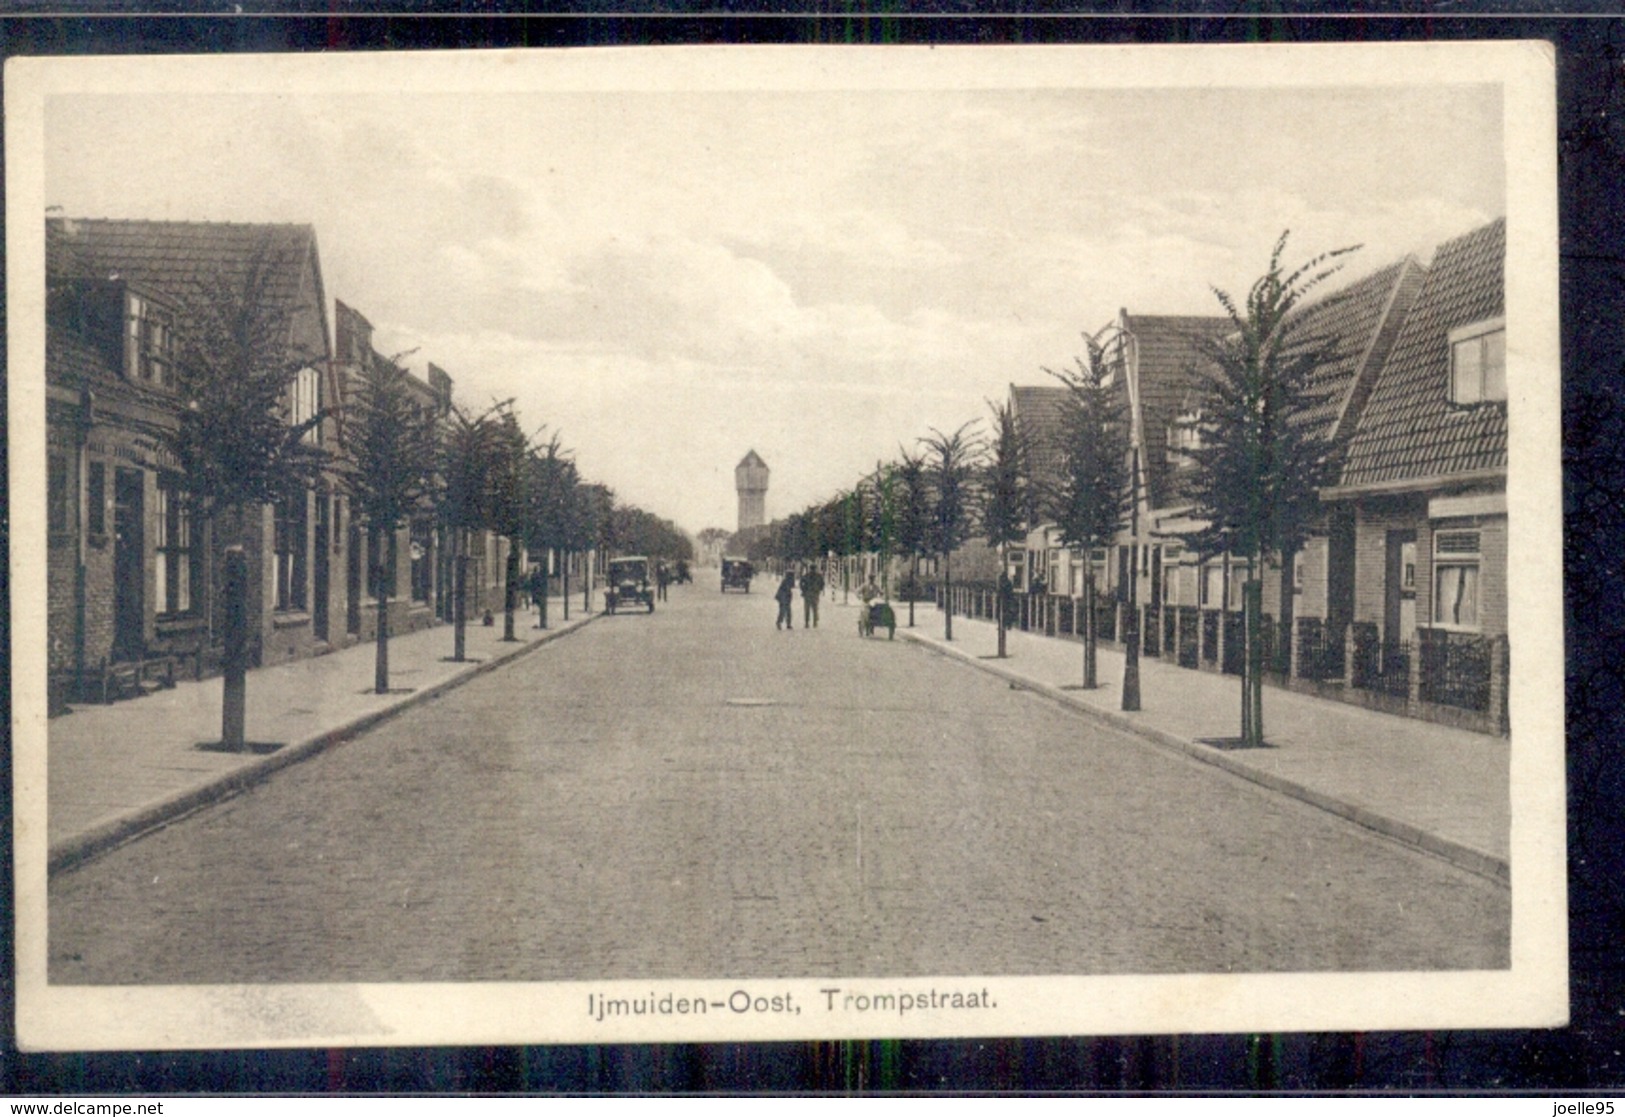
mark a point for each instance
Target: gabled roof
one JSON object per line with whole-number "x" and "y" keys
{"x": 170, "y": 259}
{"x": 1169, "y": 354}
{"x": 1409, "y": 431}
{"x": 1358, "y": 325}
{"x": 1039, "y": 412}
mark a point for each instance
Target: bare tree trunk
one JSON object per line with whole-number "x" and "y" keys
{"x": 510, "y": 576}
{"x": 459, "y": 609}
{"x": 380, "y": 585}
{"x": 913, "y": 585}
{"x": 1091, "y": 678}
{"x": 380, "y": 672}
{"x": 999, "y": 603}
{"x": 1253, "y": 668}
{"x": 947, "y": 593}
{"x": 564, "y": 575}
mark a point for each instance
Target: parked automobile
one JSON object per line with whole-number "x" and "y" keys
{"x": 629, "y": 584}
{"x": 736, "y": 574}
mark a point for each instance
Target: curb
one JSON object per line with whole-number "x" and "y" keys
{"x": 1461, "y": 856}
{"x": 81, "y": 847}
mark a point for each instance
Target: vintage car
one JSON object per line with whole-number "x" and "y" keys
{"x": 736, "y": 574}
{"x": 629, "y": 584}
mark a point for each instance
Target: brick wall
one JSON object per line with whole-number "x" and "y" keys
{"x": 1374, "y": 518}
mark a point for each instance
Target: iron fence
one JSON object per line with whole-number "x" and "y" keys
{"x": 1320, "y": 649}
{"x": 1382, "y": 666}
{"x": 1455, "y": 669}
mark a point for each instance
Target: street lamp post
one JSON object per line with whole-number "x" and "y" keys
{"x": 1131, "y": 621}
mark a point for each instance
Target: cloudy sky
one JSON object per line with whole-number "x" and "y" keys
{"x": 669, "y": 278}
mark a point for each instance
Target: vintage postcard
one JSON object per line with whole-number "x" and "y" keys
{"x": 1148, "y": 458}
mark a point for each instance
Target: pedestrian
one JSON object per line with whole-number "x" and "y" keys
{"x": 812, "y": 588}
{"x": 786, "y": 591}
{"x": 662, "y": 580}
{"x": 870, "y": 591}
{"x": 538, "y": 593}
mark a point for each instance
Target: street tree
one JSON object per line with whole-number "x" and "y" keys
{"x": 1004, "y": 492}
{"x": 951, "y": 462}
{"x": 1261, "y": 465}
{"x": 389, "y": 458}
{"x": 594, "y": 530}
{"x": 508, "y": 499}
{"x": 550, "y": 495}
{"x": 1090, "y": 503}
{"x": 470, "y": 447}
{"x": 913, "y": 518}
{"x": 885, "y": 490}
{"x": 235, "y": 445}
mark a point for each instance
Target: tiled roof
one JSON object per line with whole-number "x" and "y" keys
{"x": 1039, "y": 411}
{"x": 1409, "y": 430}
{"x": 171, "y": 259}
{"x": 1358, "y": 326}
{"x": 1169, "y": 351}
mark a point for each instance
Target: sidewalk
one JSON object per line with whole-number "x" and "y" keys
{"x": 116, "y": 771}
{"x": 1446, "y": 791}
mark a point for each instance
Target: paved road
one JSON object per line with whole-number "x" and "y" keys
{"x": 692, "y": 794}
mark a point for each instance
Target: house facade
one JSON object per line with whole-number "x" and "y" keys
{"x": 1424, "y": 488}
{"x": 413, "y": 561}
{"x": 1398, "y": 598}
{"x": 134, "y": 580}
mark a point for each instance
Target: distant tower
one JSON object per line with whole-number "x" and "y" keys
{"x": 750, "y": 478}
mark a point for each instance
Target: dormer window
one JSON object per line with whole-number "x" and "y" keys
{"x": 1478, "y": 363}
{"x": 149, "y": 341}
{"x": 1185, "y": 437}
{"x": 304, "y": 402}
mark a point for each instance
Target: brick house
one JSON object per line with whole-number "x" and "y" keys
{"x": 415, "y": 560}
{"x": 131, "y": 579}
{"x": 1357, "y": 326}
{"x": 1424, "y": 490}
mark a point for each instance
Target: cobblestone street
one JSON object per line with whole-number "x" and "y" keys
{"x": 693, "y": 794}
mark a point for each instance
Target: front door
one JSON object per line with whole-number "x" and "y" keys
{"x": 129, "y": 567}
{"x": 1399, "y": 607}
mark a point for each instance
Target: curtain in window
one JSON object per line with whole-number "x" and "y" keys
{"x": 1455, "y": 599}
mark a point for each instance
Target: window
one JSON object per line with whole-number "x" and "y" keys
{"x": 1184, "y": 437}
{"x": 1456, "y": 560}
{"x": 291, "y": 530}
{"x": 56, "y": 513}
{"x": 305, "y": 402}
{"x": 149, "y": 341}
{"x": 177, "y": 559}
{"x": 1213, "y": 584}
{"x": 1478, "y": 363}
{"x": 96, "y": 500}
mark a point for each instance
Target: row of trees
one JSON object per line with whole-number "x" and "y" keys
{"x": 398, "y": 462}
{"x": 1261, "y": 463}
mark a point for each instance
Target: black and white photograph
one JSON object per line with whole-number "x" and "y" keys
{"x": 1147, "y": 458}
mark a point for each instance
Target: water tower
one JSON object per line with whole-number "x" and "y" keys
{"x": 750, "y": 478}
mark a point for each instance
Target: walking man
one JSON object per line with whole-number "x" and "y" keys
{"x": 786, "y": 591}
{"x": 812, "y": 588}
